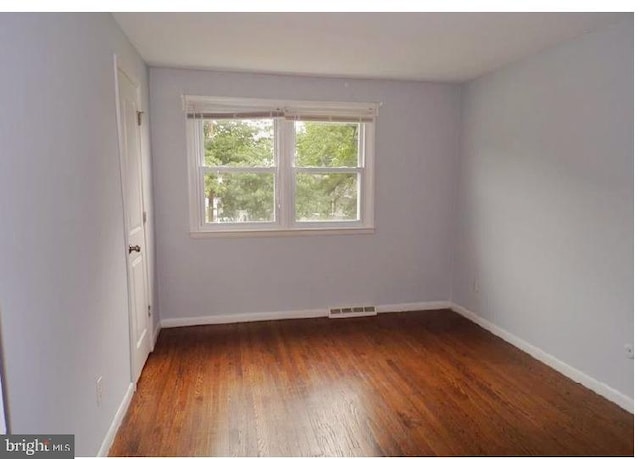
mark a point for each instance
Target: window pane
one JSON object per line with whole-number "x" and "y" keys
{"x": 323, "y": 144}
{"x": 239, "y": 198}
{"x": 326, "y": 197}
{"x": 241, "y": 143}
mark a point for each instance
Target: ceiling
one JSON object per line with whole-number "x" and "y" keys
{"x": 407, "y": 46}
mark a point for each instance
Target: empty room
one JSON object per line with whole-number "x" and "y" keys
{"x": 317, "y": 233}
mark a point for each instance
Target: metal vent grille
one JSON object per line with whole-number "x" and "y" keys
{"x": 352, "y": 311}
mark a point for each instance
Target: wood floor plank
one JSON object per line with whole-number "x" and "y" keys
{"x": 420, "y": 383}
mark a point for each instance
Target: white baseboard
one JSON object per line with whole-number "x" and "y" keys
{"x": 597, "y": 386}
{"x": 406, "y": 307}
{"x": 302, "y": 314}
{"x": 247, "y": 317}
{"x": 117, "y": 420}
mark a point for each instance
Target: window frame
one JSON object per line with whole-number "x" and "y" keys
{"x": 284, "y": 169}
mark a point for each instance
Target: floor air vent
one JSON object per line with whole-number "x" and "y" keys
{"x": 352, "y": 311}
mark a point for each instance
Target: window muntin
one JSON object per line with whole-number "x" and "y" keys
{"x": 265, "y": 170}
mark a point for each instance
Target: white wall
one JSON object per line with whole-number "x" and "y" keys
{"x": 62, "y": 265}
{"x": 545, "y": 212}
{"x": 406, "y": 260}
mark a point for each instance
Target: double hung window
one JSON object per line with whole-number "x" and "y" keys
{"x": 279, "y": 166}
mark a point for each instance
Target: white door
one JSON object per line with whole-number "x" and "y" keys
{"x": 131, "y": 170}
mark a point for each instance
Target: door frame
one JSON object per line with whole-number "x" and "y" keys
{"x": 118, "y": 67}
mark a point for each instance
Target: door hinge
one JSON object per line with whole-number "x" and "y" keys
{"x": 139, "y": 118}
{"x": 144, "y": 216}
{"x": 149, "y": 310}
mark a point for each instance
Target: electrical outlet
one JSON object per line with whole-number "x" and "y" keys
{"x": 628, "y": 350}
{"x": 99, "y": 390}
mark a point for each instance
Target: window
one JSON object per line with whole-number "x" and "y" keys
{"x": 279, "y": 166}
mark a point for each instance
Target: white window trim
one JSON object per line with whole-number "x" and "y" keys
{"x": 284, "y": 144}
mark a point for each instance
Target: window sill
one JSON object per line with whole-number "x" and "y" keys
{"x": 280, "y": 232}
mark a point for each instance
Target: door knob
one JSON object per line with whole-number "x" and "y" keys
{"x": 134, "y": 248}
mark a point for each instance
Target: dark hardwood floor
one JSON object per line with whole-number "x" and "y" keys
{"x": 420, "y": 383}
